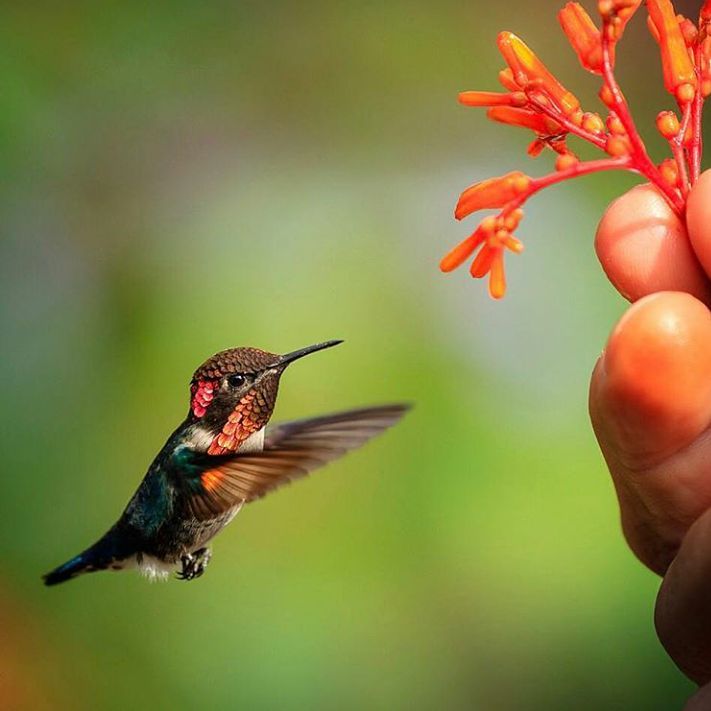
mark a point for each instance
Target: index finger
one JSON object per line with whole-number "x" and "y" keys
{"x": 644, "y": 247}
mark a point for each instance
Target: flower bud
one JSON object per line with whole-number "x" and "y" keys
{"x": 506, "y": 79}
{"x": 668, "y": 124}
{"x": 565, "y": 161}
{"x": 617, "y": 146}
{"x": 462, "y": 251}
{"x": 614, "y": 125}
{"x": 583, "y": 36}
{"x": 606, "y": 96}
{"x": 669, "y": 171}
{"x": 593, "y": 123}
{"x": 677, "y": 67}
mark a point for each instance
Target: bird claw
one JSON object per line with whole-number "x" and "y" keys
{"x": 194, "y": 564}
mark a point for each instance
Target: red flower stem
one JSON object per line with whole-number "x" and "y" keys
{"x": 642, "y": 162}
{"x": 575, "y": 170}
{"x": 677, "y": 147}
{"x": 696, "y": 114}
{"x": 567, "y": 124}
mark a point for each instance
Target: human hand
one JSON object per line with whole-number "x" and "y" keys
{"x": 650, "y": 404}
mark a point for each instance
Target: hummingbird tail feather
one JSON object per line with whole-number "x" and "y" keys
{"x": 108, "y": 552}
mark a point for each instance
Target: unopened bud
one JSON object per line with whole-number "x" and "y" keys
{"x": 506, "y": 79}
{"x": 668, "y": 124}
{"x": 688, "y": 135}
{"x": 593, "y": 123}
{"x": 669, "y": 171}
{"x": 617, "y": 146}
{"x": 606, "y": 96}
{"x": 688, "y": 30}
{"x": 535, "y": 148}
{"x": 614, "y": 125}
{"x": 576, "y": 117}
{"x": 512, "y": 220}
{"x": 565, "y": 161}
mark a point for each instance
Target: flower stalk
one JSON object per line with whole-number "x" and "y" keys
{"x": 536, "y": 100}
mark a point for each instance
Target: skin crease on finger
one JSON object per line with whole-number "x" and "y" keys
{"x": 650, "y": 403}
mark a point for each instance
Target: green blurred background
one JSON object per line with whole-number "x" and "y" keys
{"x": 186, "y": 177}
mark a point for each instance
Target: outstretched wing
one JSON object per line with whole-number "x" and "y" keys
{"x": 291, "y": 450}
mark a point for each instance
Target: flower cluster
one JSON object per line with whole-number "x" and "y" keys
{"x": 535, "y": 100}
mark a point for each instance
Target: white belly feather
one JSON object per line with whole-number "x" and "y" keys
{"x": 155, "y": 569}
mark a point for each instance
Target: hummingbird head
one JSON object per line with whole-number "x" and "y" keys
{"x": 233, "y": 393}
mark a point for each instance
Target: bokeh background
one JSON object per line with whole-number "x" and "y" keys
{"x": 182, "y": 177}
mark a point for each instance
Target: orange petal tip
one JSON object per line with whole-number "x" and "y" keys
{"x": 497, "y": 277}
{"x": 513, "y": 244}
{"x": 494, "y": 192}
{"x": 506, "y": 79}
{"x": 482, "y": 263}
{"x": 491, "y": 98}
{"x": 461, "y": 252}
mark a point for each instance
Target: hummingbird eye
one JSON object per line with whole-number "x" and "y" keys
{"x": 236, "y": 380}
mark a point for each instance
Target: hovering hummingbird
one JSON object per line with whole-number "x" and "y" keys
{"x": 221, "y": 457}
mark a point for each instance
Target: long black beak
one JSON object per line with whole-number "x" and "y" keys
{"x": 295, "y": 355}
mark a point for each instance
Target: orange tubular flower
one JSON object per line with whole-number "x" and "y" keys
{"x": 492, "y": 98}
{"x": 497, "y": 277}
{"x": 527, "y": 68}
{"x": 582, "y": 35}
{"x": 494, "y": 192}
{"x": 679, "y": 73}
{"x": 506, "y": 79}
{"x": 494, "y": 235}
{"x": 525, "y": 118}
{"x": 535, "y": 100}
{"x": 462, "y": 251}
{"x": 615, "y": 16}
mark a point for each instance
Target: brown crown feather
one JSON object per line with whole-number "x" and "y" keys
{"x": 235, "y": 360}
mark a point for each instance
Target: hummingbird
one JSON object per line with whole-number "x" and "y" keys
{"x": 221, "y": 457}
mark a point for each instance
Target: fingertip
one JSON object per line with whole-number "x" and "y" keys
{"x": 643, "y": 248}
{"x": 698, "y": 219}
{"x": 652, "y": 387}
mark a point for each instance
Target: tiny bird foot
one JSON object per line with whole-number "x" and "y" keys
{"x": 194, "y": 564}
